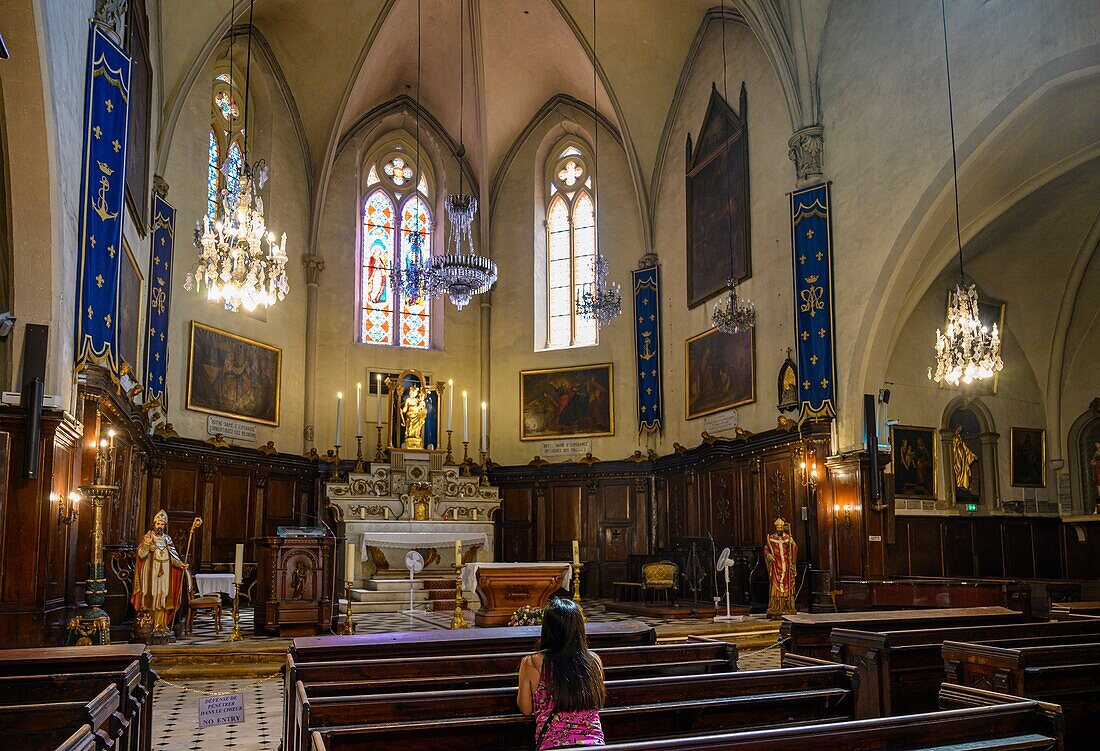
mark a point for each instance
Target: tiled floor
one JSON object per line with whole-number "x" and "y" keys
{"x": 176, "y": 717}
{"x": 175, "y": 713}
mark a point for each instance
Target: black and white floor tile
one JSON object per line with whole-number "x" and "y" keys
{"x": 176, "y": 717}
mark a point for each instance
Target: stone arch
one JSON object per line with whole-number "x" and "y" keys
{"x": 1083, "y": 435}
{"x": 986, "y": 445}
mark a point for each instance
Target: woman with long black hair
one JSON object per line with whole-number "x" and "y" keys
{"x": 562, "y": 683}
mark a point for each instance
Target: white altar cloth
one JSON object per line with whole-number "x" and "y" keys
{"x": 209, "y": 584}
{"x": 469, "y": 572}
{"x": 414, "y": 540}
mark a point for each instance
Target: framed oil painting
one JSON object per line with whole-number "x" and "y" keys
{"x": 129, "y": 308}
{"x": 1029, "y": 457}
{"x": 718, "y": 201}
{"x": 721, "y": 371}
{"x": 914, "y": 461}
{"x": 567, "y": 402}
{"x": 233, "y": 376}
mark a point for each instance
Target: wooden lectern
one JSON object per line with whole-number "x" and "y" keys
{"x": 293, "y": 585}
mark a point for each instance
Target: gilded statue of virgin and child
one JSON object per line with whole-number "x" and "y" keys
{"x": 414, "y": 412}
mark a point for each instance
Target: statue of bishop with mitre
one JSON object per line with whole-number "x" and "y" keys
{"x": 158, "y": 580}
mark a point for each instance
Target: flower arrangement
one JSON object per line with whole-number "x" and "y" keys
{"x": 526, "y": 616}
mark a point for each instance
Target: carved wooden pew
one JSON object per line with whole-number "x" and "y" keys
{"x": 636, "y": 709}
{"x": 1065, "y": 671}
{"x": 46, "y": 726}
{"x": 900, "y": 672}
{"x": 445, "y": 644}
{"x": 808, "y": 633}
{"x": 984, "y": 721}
{"x": 34, "y": 676}
{"x": 82, "y": 740}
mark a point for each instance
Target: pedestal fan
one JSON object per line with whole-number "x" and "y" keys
{"x": 414, "y": 562}
{"x": 723, "y": 567}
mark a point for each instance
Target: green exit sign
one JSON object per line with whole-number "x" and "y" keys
{"x": 971, "y": 507}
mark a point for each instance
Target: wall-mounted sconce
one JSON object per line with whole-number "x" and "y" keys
{"x": 805, "y": 456}
{"x": 66, "y": 508}
{"x": 845, "y": 520}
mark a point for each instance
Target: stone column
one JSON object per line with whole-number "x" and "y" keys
{"x": 313, "y": 265}
{"x": 806, "y": 149}
{"x": 486, "y": 359}
{"x": 991, "y": 485}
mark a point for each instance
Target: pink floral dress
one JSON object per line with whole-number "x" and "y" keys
{"x": 565, "y": 728}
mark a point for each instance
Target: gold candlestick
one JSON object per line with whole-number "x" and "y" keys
{"x": 378, "y": 455}
{"x": 235, "y": 634}
{"x": 358, "y": 454}
{"x": 458, "y": 620}
{"x": 347, "y": 628}
{"x": 577, "y": 581}
{"x": 484, "y": 466}
{"x": 465, "y": 471}
{"x": 449, "y": 459}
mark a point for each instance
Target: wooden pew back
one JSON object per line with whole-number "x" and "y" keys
{"x": 43, "y": 727}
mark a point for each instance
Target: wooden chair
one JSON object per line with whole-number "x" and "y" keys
{"x": 195, "y": 601}
{"x": 660, "y": 577}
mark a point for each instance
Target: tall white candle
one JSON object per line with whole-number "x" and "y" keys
{"x": 238, "y": 565}
{"x": 465, "y": 419}
{"x": 349, "y": 562}
{"x": 339, "y": 416}
{"x": 358, "y": 409}
{"x": 450, "y": 404}
{"x": 485, "y": 426}
{"x": 378, "y": 380}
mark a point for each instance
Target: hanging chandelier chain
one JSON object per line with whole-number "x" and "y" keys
{"x": 733, "y": 314}
{"x": 954, "y": 157}
{"x": 461, "y": 89}
{"x": 247, "y": 79}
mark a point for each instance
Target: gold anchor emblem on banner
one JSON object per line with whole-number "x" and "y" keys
{"x": 104, "y": 186}
{"x": 647, "y": 354}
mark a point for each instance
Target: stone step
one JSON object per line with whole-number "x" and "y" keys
{"x": 379, "y": 607}
{"x": 392, "y": 585}
{"x": 375, "y": 596}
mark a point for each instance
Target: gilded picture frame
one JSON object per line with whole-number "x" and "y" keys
{"x": 233, "y": 376}
{"x": 915, "y": 452}
{"x": 720, "y": 370}
{"x": 1028, "y": 457}
{"x": 571, "y": 402}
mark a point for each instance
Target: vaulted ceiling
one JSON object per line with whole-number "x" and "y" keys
{"x": 341, "y": 58}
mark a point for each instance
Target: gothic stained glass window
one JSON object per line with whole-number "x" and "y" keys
{"x": 570, "y": 250}
{"x": 212, "y": 177}
{"x": 225, "y": 103}
{"x": 391, "y": 239}
{"x": 378, "y": 255}
{"x": 232, "y": 170}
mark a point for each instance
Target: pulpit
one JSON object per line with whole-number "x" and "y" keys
{"x": 294, "y": 585}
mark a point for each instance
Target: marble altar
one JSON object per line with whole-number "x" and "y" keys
{"x": 412, "y": 501}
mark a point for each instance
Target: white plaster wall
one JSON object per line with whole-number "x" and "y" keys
{"x": 770, "y": 176}
{"x": 64, "y": 40}
{"x": 286, "y": 210}
{"x": 884, "y": 108}
{"x": 341, "y": 360}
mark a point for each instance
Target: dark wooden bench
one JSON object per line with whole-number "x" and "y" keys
{"x": 985, "y": 722}
{"x": 636, "y": 709}
{"x": 808, "y": 633}
{"x": 450, "y": 645}
{"x": 1065, "y": 671}
{"x": 35, "y": 676}
{"x": 46, "y": 726}
{"x": 82, "y": 740}
{"x": 900, "y": 672}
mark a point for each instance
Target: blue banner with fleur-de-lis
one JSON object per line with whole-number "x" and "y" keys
{"x": 812, "y": 244}
{"x": 647, "y": 345}
{"x": 103, "y": 180}
{"x": 160, "y": 299}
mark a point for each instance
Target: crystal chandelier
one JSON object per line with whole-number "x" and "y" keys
{"x": 233, "y": 265}
{"x": 734, "y": 314}
{"x": 966, "y": 350}
{"x": 601, "y": 301}
{"x": 461, "y": 273}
